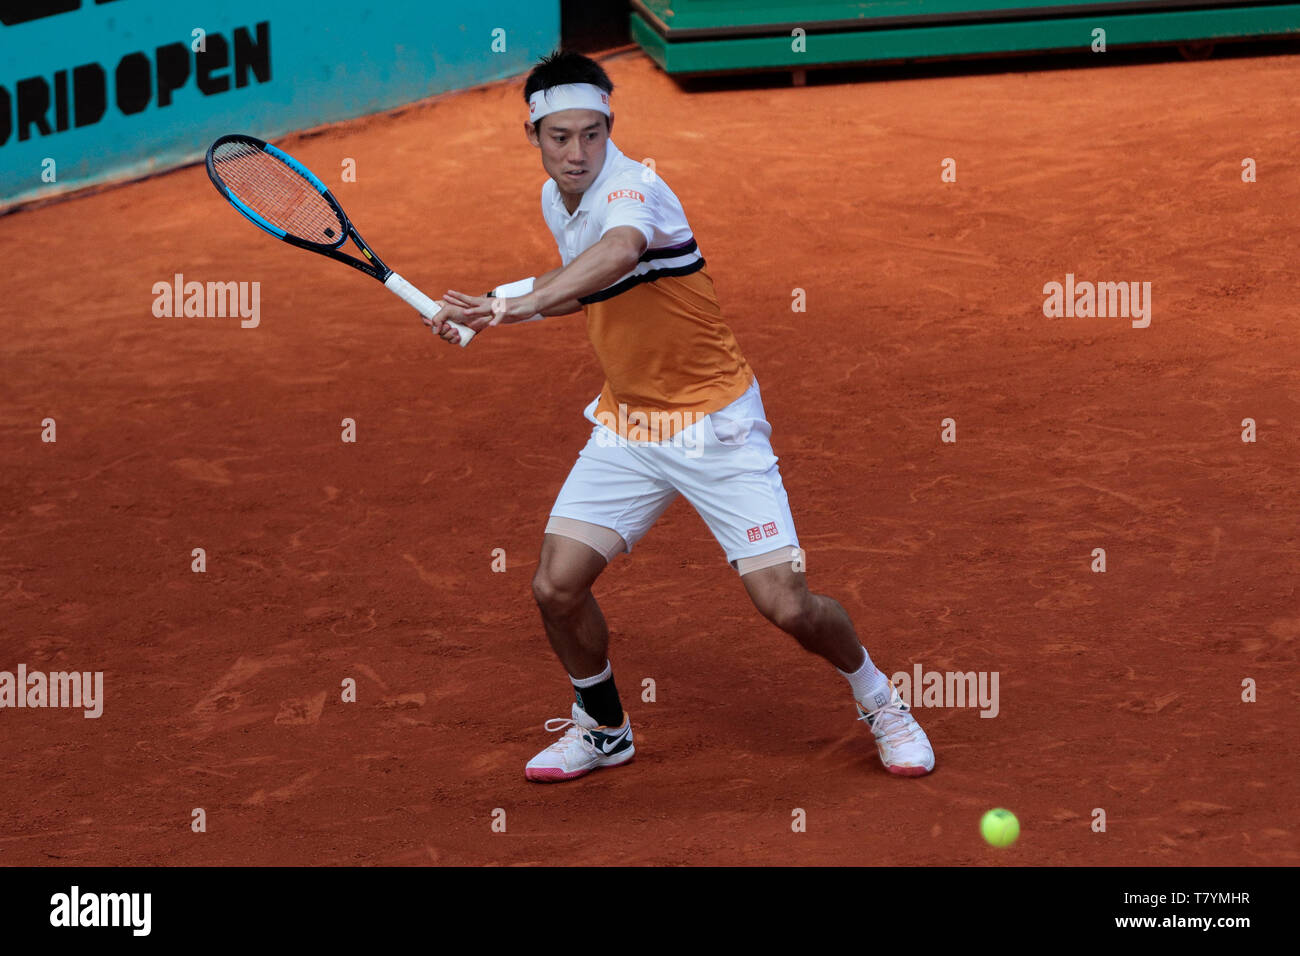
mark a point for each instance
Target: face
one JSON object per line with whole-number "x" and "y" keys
{"x": 573, "y": 147}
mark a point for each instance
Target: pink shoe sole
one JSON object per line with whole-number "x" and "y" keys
{"x": 546, "y": 775}
{"x": 908, "y": 771}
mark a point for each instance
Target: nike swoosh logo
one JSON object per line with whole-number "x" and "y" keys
{"x": 607, "y": 746}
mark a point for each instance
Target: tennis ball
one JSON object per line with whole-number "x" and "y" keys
{"x": 1000, "y": 827}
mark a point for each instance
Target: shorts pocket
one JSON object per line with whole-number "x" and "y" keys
{"x": 730, "y": 432}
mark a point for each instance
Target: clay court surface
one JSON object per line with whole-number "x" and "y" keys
{"x": 372, "y": 560}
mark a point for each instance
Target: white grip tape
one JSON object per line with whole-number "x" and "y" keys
{"x": 423, "y": 304}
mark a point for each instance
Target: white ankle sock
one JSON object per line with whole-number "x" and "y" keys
{"x": 595, "y": 679}
{"x": 870, "y": 685}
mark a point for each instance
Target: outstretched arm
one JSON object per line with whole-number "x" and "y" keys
{"x": 567, "y": 307}
{"x": 485, "y": 307}
{"x": 615, "y": 255}
{"x": 558, "y": 291}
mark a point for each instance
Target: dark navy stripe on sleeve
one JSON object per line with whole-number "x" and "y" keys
{"x": 620, "y": 287}
{"x": 670, "y": 252}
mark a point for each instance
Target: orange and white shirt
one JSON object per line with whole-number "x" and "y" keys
{"x": 658, "y": 330}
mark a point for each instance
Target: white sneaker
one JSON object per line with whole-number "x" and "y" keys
{"x": 903, "y": 746}
{"x": 585, "y": 746}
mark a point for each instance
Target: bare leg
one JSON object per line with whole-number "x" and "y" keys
{"x": 562, "y": 588}
{"x": 816, "y": 621}
{"x": 821, "y": 625}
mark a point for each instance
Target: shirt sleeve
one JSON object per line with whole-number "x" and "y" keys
{"x": 629, "y": 203}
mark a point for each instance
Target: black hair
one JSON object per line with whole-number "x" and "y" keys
{"x": 565, "y": 66}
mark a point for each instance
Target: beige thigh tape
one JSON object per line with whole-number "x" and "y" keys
{"x": 605, "y": 541}
{"x": 758, "y": 562}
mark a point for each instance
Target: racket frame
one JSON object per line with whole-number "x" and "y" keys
{"x": 375, "y": 267}
{"x": 372, "y": 265}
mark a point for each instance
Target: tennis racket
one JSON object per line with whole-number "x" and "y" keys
{"x": 280, "y": 195}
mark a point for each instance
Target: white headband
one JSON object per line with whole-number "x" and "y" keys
{"x": 568, "y": 96}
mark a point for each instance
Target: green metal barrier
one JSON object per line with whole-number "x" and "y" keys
{"x": 717, "y": 36}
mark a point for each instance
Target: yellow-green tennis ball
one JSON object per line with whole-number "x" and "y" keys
{"x": 1000, "y": 827}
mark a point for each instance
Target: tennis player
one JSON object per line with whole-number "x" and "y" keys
{"x": 679, "y": 414}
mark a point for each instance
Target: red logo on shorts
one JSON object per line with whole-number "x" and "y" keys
{"x": 625, "y": 194}
{"x": 755, "y": 534}
{"x": 769, "y": 529}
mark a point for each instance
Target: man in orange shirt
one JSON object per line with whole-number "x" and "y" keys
{"x": 680, "y": 413}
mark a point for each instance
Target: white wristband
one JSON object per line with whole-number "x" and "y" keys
{"x": 513, "y": 290}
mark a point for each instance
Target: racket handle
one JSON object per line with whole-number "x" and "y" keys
{"x": 423, "y": 304}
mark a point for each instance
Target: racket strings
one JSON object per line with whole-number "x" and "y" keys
{"x": 277, "y": 193}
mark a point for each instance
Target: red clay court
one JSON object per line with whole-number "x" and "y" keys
{"x": 373, "y": 560}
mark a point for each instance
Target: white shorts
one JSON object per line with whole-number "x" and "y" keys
{"x": 723, "y": 464}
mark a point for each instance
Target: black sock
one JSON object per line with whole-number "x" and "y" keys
{"x": 601, "y": 702}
